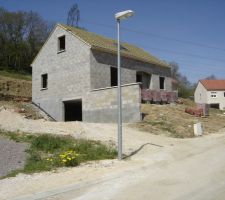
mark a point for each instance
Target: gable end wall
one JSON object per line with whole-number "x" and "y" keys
{"x": 68, "y": 73}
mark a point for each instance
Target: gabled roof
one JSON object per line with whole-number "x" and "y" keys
{"x": 109, "y": 45}
{"x": 213, "y": 84}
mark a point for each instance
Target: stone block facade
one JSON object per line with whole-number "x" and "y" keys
{"x": 68, "y": 73}
{"x": 102, "y": 61}
{"x": 100, "y": 105}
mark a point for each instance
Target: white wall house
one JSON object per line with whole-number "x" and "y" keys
{"x": 211, "y": 92}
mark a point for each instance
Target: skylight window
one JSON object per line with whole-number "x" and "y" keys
{"x": 121, "y": 47}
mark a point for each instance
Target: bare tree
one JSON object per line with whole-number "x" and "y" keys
{"x": 174, "y": 70}
{"x": 175, "y": 74}
{"x": 185, "y": 88}
{"x": 73, "y": 17}
{"x": 211, "y": 77}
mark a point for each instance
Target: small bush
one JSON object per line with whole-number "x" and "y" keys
{"x": 93, "y": 150}
{"x": 184, "y": 91}
{"x": 49, "y": 143}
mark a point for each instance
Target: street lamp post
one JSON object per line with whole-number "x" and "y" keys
{"x": 120, "y": 16}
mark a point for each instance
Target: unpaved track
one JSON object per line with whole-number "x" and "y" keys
{"x": 175, "y": 169}
{"x": 12, "y": 156}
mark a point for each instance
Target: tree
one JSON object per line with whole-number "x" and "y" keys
{"x": 211, "y": 77}
{"x": 174, "y": 70}
{"x": 73, "y": 17}
{"x": 21, "y": 36}
{"x": 185, "y": 89}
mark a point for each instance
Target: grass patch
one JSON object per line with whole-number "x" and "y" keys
{"x": 16, "y": 75}
{"x": 164, "y": 126}
{"x": 47, "y": 152}
{"x": 156, "y": 123}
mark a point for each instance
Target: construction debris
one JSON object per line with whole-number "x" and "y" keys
{"x": 197, "y": 112}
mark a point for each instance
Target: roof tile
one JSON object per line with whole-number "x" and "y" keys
{"x": 213, "y": 84}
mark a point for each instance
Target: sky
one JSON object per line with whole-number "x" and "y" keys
{"x": 189, "y": 32}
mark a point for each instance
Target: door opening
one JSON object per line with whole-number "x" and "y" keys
{"x": 215, "y": 105}
{"x": 73, "y": 110}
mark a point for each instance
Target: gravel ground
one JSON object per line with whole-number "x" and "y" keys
{"x": 160, "y": 168}
{"x": 12, "y": 155}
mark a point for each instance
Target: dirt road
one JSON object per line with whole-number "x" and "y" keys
{"x": 12, "y": 156}
{"x": 161, "y": 168}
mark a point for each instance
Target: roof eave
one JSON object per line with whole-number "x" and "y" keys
{"x": 75, "y": 35}
{"x": 215, "y": 89}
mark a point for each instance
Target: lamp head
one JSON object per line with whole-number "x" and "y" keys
{"x": 124, "y": 14}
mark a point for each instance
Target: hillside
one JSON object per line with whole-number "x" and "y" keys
{"x": 171, "y": 120}
{"x": 15, "y": 94}
{"x": 13, "y": 85}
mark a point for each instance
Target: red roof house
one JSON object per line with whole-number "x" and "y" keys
{"x": 211, "y": 92}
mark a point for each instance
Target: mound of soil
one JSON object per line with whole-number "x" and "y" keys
{"x": 173, "y": 121}
{"x": 10, "y": 87}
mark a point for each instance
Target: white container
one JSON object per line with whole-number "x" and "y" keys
{"x": 198, "y": 129}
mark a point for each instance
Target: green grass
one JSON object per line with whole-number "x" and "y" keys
{"x": 15, "y": 74}
{"x": 50, "y": 147}
{"x": 156, "y": 123}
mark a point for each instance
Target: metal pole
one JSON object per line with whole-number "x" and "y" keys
{"x": 119, "y": 98}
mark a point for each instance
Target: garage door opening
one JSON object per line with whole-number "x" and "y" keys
{"x": 215, "y": 105}
{"x": 73, "y": 110}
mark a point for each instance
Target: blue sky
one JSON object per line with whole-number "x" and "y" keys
{"x": 190, "y": 32}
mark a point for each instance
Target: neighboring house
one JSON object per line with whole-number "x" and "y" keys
{"x": 211, "y": 92}
{"x": 74, "y": 77}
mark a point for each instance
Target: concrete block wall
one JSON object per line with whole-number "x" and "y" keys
{"x": 154, "y": 85}
{"x": 168, "y": 84}
{"x": 100, "y": 105}
{"x": 100, "y": 71}
{"x": 68, "y": 73}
